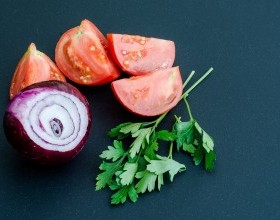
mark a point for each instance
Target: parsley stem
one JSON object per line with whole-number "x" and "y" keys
{"x": 155, "y": 122}
{"x": 188, "y": 107}
{"x": 170, "y": 150}
{"x": 160, "y": 118}
{"x": 188, "y": 79}
{"x": 177, "y": 118}
{"x": 197, "y": 82}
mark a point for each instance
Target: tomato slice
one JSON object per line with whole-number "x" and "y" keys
{"x": 138, "y": 55}
{"x": 82, "y": 55}
{"x": 151, "y": 94}
{"x": 33, "y": 67}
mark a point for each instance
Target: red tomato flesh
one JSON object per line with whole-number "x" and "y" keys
{"x": 82, "y": 55}
{"x": 138, "y": 55}
{"x": 34, "y": 67}
{"x": 151, "y": 94}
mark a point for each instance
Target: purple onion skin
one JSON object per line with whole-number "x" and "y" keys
{"x": 20, "y": 140}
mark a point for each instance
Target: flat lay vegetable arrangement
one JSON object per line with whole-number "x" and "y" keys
{"x": 48, "y": 120}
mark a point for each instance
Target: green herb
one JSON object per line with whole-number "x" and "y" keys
{"x": 137, "y": 167}
{"x": 114, "y": 152}
{"x": 194, "y": 140}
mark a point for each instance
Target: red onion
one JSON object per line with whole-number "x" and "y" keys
{"x": 48, "y": 122}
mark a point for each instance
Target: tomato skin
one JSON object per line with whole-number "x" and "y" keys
{"x": 138, "y": 55}
{"x": 151, "y": 94}
{"x": 33, "y": 67}
{"x": 82, "y": 55}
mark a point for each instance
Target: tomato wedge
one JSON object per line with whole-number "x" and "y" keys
{"x": 151, "y": 94}
{"x": 82, "y": 55}
{"x": 138, "y": 55}
{"x": 33, "y": 67}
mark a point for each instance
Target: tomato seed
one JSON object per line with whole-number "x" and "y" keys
{"x": 143, "y": 41}
{"x": 139, "y": 53}
{"x": 92, "y": 48}
{"x": 126, "y": 63}
{"x": 164, "y": 65}
{"x": 102, "y": 56}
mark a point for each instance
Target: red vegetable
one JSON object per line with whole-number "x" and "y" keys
{"x": 48, "y": 122}
{"x": 151, "y": 94}
{"x": 137, "y": 55}
{"x": 82, "y": 55}
{"x": 34, "y": 67}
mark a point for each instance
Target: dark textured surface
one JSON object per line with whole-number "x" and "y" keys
{"x": 238, "y": 105}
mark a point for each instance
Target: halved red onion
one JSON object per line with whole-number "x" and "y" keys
{"x": 48, "y": 122}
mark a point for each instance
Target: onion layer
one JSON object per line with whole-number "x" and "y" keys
{"x": 48, "y": 122}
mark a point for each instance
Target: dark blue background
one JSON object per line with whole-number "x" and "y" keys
{"x": 238, "y": 105}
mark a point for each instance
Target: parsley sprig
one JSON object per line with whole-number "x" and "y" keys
{"x": 194, "y": 140}
{"x": 132, "y": 165}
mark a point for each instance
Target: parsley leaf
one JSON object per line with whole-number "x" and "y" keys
{"x": 164, "y": 165}
{"x": 150, "y": 150}
{"x": 184, "y": 132}
{"x": 160, "y": 181}
{"x": 121, "y": 195}
{"x": 165, "y": 135}
{"x": 130, "y": 128}
{"x": 105, "y": 178}
{"x": 141, "y": 138}
{"x": 207, "y": 141}
{"x": 209, "y": 160}
{"x": 198, "y": 155}
{"x": 147, "y": 181}
{"x": 113, "y": 153}
{"x": 116, "y": 131}
{"x": 190, "y": 148}
{"x": 129, "y": 172}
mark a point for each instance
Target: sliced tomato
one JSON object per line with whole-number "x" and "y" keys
{"x": 34, "y": 67}
{"x": 151, "y": 94}
{"x": 82, "y": 55}
{"x": 137, "y": 55}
